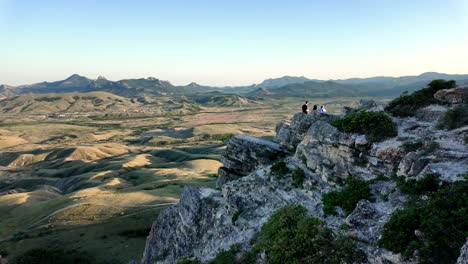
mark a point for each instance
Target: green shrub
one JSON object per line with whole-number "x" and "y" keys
{"x": 441, "y": 222}
{"x": 227, "y": 256}
{"x": 291, "y": 236}
{"x": 430, "y": 183}
{"x": 221, "y": 137}
{"x": 354, "y": 190}
{"x": 407, "y": 104}
{"x": 376, "y": 125}
{"x": 235, "y": 216}
{"x": 48, "y": 256}
{"x": 298, "y": 177}
{"x": 279, "y": 168}
{"x": 454, "y": 118}
{"x": 188, "y": 261}
{"x": 410, "y": 146}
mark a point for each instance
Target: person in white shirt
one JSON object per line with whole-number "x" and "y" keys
{"x": 322, "y": 109}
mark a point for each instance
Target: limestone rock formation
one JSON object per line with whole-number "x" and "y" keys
{"x": 243, "y": 154}
{"x": 207, "y": 221}
{"x": 452, "y": 96}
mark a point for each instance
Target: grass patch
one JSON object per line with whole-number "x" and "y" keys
{"x": 279, "y": 169}
{"x": 407, "y": 104}
{"x": 298, "y": 177}
{"x": 430, "y": 183}
{"x": 132, "y": 233}
{"x": 440, "y": 222}
{"x": 454, "y": 118}
{"x": 48, "y": 256}
{"x": 376, "y": 125}
{"x": 354, "y": 190}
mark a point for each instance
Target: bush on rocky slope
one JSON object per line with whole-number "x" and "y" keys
{"x": 279, "y": 169}
{"x": 291, "y": 236}
{"x": 433, "y": 230}
{"x": 430, "y": 183}
{"x": 376, "y": 125}
{"x": 347, "y": 198}
{"x": 298, "y": 177}
{"x": 454, "y": 118}
{"x": 407, "y": 104}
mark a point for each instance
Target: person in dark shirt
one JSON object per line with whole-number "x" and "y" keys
{"x": 315, "y": 108}
{"x": 305, "y": 107}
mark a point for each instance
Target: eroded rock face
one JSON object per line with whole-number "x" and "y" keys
{"x": 337, "y": 155}
{"x": 431, "y": 113}
{"x": 290, "y": 134}
{"x": 452, "y": 96}
{"x": 411, "y": 165}
{"x": 243, "y": 154}
{"x": 202, "y": 223}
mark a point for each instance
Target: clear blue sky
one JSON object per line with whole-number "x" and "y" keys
{"x": 230, "y": 42}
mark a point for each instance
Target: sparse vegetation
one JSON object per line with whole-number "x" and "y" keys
{"x": 279, "y": 169}
{"x": 227, "y": 256}
{"x": 454, "y": 118}
{"x": 48, "y": 256}
{"x": 298, "y": 177}
{"x": 347, "y": 198}
{"x": 424, "y": 147}
{"x": 430, "y": 183}
{"x": 235, "y": 216}
{"x": 407, "y": 104}
{"x": 376, "y": 125}
{"x": 434, "y": 230}
{"x": 132, "y": 233}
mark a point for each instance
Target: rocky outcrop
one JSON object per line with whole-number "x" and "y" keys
{"x": 290, "y": 134}
{"x": 245, "y": 153}
{"x": 431, "y": 113}
{"x": 202, "y": 223}
{"x": 334, "y": 154}
{"x": 452, "y": 96}
{"x": 207, "y": 221}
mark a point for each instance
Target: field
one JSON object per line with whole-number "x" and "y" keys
{"x": 94, "y": 184}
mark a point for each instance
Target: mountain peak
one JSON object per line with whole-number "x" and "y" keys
{"x": 75, "y": 77}
{"x": 101, "y": 78}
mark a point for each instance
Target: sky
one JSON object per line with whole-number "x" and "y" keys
{"x": 230, "y": 42}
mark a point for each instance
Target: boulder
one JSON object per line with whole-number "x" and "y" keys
{"x": 431, "y": 113}
{"x": 291, "y": 134}
{"x": 452, "y": 96}
{"x": 411, "y": 165}
{"x": 366, "y": 222}
{"x": 243, "y": 154}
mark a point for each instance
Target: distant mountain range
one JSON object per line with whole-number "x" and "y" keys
{"x": 289, "y": 86}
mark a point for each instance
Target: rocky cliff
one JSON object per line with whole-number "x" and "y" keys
{"x": 207, "y": 221}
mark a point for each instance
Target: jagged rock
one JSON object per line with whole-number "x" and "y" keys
{"x": 431, "y": 113}
{"x": 291, "y": 134}
{"x": 366, "y": 104}
{"x": 453, "y": 96}
{"x": 463, "y": 258}
{"x": 367, "y": 221}
{"x": 411, "y": 165}
{"x": 202, "y": 223}
{"x": 243, "y": 154}
{"x": 334, "y": 154}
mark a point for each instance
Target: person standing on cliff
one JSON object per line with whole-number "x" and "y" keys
{"x": 305, "y": 107}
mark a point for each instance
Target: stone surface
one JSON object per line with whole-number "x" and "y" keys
{"x": 463, "y": 258}
{"x": 431, "y": 113}
{"x": 291, "y": 134}
{"x": 411, "y": 165}
{"x": 243, "y": 154}
{"x": 452, "y": 96}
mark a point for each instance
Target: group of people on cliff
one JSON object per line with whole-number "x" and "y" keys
{"x": 305, "y": 108}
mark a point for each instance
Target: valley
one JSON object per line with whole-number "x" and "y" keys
{"x": 83, "y": 172}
